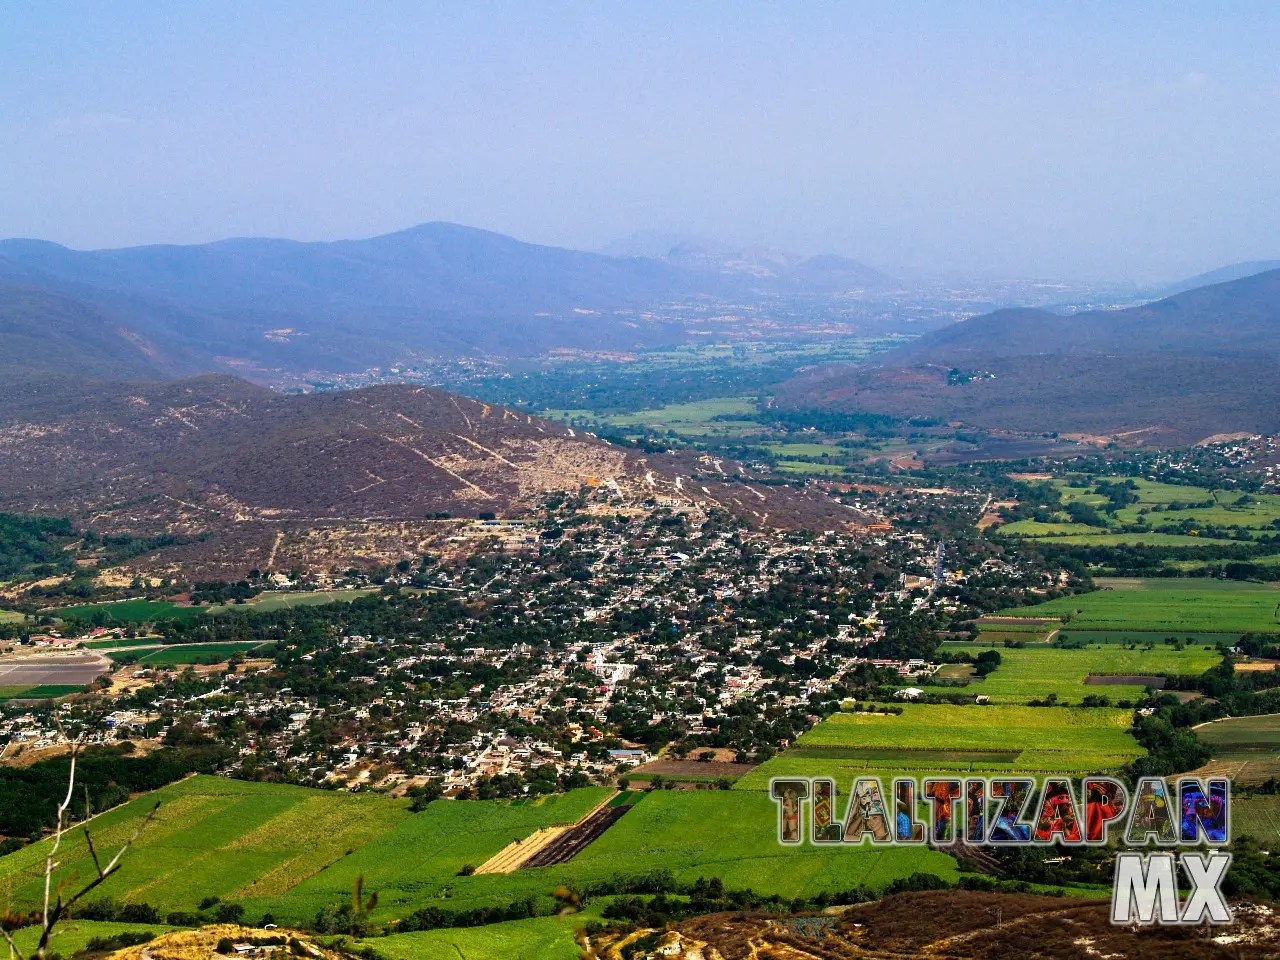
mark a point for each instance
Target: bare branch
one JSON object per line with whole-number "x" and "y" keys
{"x": 61, "y": 908}
{"x": 88, "y": 837}
{"x": 50, "y": 865}
{"x": 13, "y": 947}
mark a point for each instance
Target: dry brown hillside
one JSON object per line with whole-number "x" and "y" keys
{"x": 253, "y": 478}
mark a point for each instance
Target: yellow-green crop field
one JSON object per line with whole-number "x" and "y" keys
{"x": 214, "y": 837}
{"x": 1032, "y": 673}
{"x": 1167, "y": 605}
{"x": 291, "y": 851}
{"x": 1258, "y": 817}
{"x": 941, "y": 737}
{"x": 72, "y": 936}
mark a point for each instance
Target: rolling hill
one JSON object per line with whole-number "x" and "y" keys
{"x": 44, "y": 334}
{"x": 1232, "y": 271}
{"x": 1178, "y": 370}
{"x": 245, "y": 477}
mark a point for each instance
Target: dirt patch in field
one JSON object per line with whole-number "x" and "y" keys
{"x": 1124, "y": 680}
{"x": 513, "y": 856}
{"x": 519, "y": 852}
{"x": 1241, "y": 771}
{"x": 693, "y": 768}
{"x": 28, "y": 756}
{"x": 569, "y": 843}
{"x": 1013, "y": 621}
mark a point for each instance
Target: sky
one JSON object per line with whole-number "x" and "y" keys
{"x": 1066, "y": 140}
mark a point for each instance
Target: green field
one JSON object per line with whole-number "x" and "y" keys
{"x": 543, "y": 937}
{"x": 131, "y": 611}
{"x": 695, "y": 419}
{"x": 692, "y": 833}
{"x": 1071, "y": 533}
{"x": 1039, "y": 528}
{"x": 1259, "y": 817}
{"x": 290, "y": 851}
{"x": 929, "y": 737}
{"x": 1169, "y": 606}
{"x": 42, "y": 691}
{"x": 181, "y": 653}
{"x": 1032, "y": 673}
{"x": 783, "y": 448}
{"x": 72, "y": 936}
{"x": 1190, "y": 509}
{"x": 417, "y": 862}
{"x": 215, "y": 837}
{"x": 998, "y": 636}
{"x": 11, "y": 616}
{"x": 1243, "y": 738}
{"x": 196, "y": 653}
{"x": 123, "y": 642}
{"x": 282, "y": 600}
{"x": 1140, "y": 637}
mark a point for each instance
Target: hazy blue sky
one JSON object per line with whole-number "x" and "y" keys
{"x": 1110, "y": 140}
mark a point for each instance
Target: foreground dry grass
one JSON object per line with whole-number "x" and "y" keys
{"x": 201, "y": 944}
{"x": 951, "y": 924}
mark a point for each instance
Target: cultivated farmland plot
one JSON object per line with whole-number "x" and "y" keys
{"x": 1245, "y": 748}
{"x": 547, "y": 938}
{"x": 1158, "y": 504}
{"x": 71, "y": 938}
{"x": 214, "y": 837}
{"x": 929, "y": 738}
{"x": 1258, "y": 817}
{"x": 291, "y": 852}
{"x": 1167, "y": 606}
{"x": 1032, "y": 673}
{"x": 196, "y": 653}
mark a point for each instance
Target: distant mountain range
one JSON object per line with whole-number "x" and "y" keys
{"x": 437, "y": 289}
{"x": 761, "y": 267}
{"x": 1199, "y": 363}
{"x": 259, "y": 305}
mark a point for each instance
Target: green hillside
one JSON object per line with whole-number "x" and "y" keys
{"x": 292, "y": 852}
